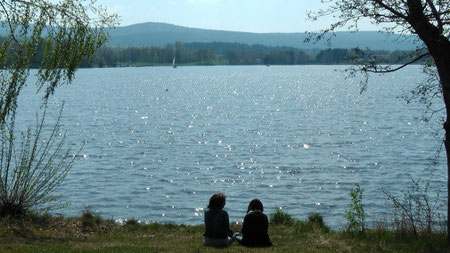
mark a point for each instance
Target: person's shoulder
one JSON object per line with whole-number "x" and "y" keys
{"x": 257, "y": 215}
{"x": 217, "y": 211}
{"x": 213, "y": 210}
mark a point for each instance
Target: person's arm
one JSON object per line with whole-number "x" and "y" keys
{"x": 227, "y": 225}
{"x": 245, "y": 225}
{"x": 266, "y": 228}
{"x": 265, "y": 223}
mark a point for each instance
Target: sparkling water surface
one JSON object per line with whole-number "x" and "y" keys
{"x": 160, "y": 141}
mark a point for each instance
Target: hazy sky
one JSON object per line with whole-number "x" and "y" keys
{"x": 234, "y": 15}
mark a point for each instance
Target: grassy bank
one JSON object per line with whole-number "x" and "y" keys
{"x": 90, "y": 233}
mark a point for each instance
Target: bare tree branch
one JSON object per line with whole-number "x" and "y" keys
{"x": 436, "y": 15}
{"x": 391, "y": 9}
{"x": 398, "y": 68}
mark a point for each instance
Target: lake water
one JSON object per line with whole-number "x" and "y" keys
{"x": 160, "y": 141}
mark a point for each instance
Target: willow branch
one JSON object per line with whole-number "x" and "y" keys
{"x": 11, "y": 30}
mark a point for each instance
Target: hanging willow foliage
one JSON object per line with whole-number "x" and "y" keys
{"x": 64, "y": 33}
{"x": 67, "y": 32}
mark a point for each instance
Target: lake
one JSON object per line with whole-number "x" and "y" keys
{"x": 160, "y": 141}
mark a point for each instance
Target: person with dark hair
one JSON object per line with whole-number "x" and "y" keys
{"x": 217, "y": 224}
{"x": 254, "y": 229}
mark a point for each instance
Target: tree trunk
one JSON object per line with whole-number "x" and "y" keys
{"x": 439, "y": 47}
{"x": 442, "y": 60}
{"x": 443, "y": 66}
{"x": 447, "y": 152}
{"x": 446, "y": 94}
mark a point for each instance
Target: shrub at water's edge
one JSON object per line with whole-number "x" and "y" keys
{"x": 31, "y": 168}
{"x": 356, "y": 216}
{"x": 314, "y": 221}
{"x": 282, "y": 218}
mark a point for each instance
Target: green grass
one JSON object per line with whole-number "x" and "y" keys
{"x": 90, "y": 233}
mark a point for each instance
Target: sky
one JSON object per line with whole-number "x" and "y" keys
{"x": 260, "y": 16}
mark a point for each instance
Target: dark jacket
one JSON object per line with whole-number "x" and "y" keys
{"x": 254, "y": 230}
{"x": 217, "y": 224}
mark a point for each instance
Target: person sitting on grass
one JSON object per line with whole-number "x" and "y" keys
{"x": 254, "y": 229}
{"x": 217, "y": 224}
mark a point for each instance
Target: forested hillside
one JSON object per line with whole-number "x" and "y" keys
{"x": 219, "y": 53}
{"x": 161, "y": 34}
{"x": 152, "y": 44}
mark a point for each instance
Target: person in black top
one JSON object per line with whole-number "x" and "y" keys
{"x": 217, "y": 224}
{"x": 254, "y": 229}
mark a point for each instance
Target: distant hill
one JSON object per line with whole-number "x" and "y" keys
{"x": 161, "y": 34}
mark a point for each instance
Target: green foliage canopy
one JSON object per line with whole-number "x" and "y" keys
{"x": 67, "y": 31}
{"x": 58, "y": 35}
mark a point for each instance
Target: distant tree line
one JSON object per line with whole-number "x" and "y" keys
{"x": 220, "y": 53}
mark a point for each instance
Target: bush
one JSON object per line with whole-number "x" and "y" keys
{"x": 43, "y": 220}
{"x": 415, "y": 212}
{"x": 356, "y": 215}
{"x": 280, "y": 217}
{"x": 90, "y": 221}
{"x": 313, "y": 222}
{"x": 133, "y": 224}
{"x": 317, "y": 219}
{"x": 30, "y": 173}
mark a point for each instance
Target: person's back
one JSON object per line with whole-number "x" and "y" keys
{"x": 254, "y": 230}
{"x": 255, "y": 227}
{"x": 216, "y": 224}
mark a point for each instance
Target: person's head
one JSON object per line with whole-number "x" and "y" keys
{"x": 255, "y": 205}
{"x": 217, "y": 200}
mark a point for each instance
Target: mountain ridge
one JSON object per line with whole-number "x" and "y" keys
{"x": 161, "y": 34}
